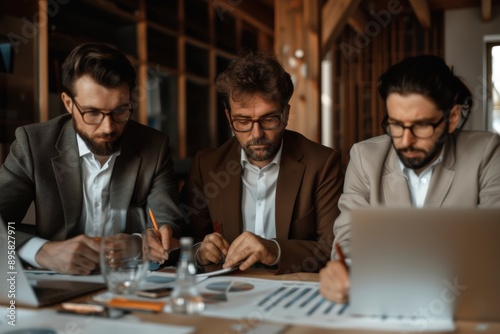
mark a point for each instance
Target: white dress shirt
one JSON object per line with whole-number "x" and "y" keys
{"x": 419, "y": 184}
{"x": 96, "y": 181}
{"x": 259, "y": 197}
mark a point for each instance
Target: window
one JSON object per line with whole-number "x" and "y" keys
{"x": 494, "y": 98}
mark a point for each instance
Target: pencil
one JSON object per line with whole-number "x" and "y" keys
{"x": 340, "y": 253}
{"x": 155, "y": 224}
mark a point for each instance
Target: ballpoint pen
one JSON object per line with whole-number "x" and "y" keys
{"x": 155, "y": 224}
{"x": 341, "y": 256}
{"x": 154, "y": 265}
{"x": 157, "y": 228}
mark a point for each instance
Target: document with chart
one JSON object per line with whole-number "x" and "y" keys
{"x": 295, "y": 302}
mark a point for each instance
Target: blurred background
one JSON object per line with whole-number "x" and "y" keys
{"x": 334, "y": 49}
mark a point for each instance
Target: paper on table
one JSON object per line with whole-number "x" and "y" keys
{"x": 252, "y": 299}
{"x": 166, "y": 278}
{"x": 63, "y": 323}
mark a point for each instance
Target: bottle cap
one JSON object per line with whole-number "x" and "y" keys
{"x": 186, "y": 241}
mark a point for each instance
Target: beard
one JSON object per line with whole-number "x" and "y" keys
{"x": 427, "y": 158}
{"x": 264, "y": 154}
{"x": 105, "y": 148}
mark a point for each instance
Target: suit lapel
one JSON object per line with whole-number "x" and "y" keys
{"x": 230, "y": 204}
{"x": 394, "y": 185}
{"x": 66, "y": 168}
{"x": 289, "y": 180}
{"x": 442, "y": 178}
{"x": 123, "y": 179}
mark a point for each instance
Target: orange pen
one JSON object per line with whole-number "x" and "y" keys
{"x": 155, "y": 224}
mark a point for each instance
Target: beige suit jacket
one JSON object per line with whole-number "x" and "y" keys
{"x": 469, "y": 176}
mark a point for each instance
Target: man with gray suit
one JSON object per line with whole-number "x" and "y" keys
{"x": 78, "y": 166}
{"x": 424, "y": 160}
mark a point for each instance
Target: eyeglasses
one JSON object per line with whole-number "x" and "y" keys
{"x": 419, "y": 130}
{"x": 94, "y": 117}
{"x": 265, "y": 123}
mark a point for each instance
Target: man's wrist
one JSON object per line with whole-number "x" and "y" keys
{"x": 30, "y": 249}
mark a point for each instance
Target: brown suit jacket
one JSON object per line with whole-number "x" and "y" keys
{"x": 309, "y": 185}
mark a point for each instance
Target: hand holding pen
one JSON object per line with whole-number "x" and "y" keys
{"x": 341, "y": 256}
{"x": 214, "y": 247}
{"x": 334, "y": 279}
{"x": 161, "y": 240}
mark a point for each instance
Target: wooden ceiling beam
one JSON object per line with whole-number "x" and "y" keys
{"x": 334, "y": 16}
{"x": 357, "y": 21}
{"x": 421, "y": 9}
{"x": 249, "y": 11}
{"x": 486, "y": 10}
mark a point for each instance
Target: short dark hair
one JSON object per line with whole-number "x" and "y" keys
{"x": 255, "y": 73}
{"x": 429, "y": 76}
{"x": 103, "y": 63}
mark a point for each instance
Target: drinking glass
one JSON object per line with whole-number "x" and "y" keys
{"x": 124, "y": 250}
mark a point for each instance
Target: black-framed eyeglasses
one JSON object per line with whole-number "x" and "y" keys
{"x": 246, "y": 124}
{"x": 118, "y": 115}
{"x": 419, "y": 130}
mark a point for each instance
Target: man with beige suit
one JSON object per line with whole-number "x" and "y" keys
{"x": 424, "y": 160}
{"x": 268, "y": 195}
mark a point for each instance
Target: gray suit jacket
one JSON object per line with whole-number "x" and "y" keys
{"x": 308, "y": 187}
{"x": 44, "y": 166}
{"x": 469, "y": 176}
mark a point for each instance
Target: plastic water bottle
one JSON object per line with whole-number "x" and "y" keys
{"x": 185, "y": 298}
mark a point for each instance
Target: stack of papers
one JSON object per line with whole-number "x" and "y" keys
{"x": 254, "y": 300}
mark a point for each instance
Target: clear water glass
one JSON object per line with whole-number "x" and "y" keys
{"x": 124, "y": 254}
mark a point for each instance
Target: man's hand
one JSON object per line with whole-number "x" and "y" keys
{"x": 158, "y": 249}
{"x": 212, "y": 250}
{"x": 334, "y": 282}
{"x": 249, "y": 248}
{"x": 78, "y": 255}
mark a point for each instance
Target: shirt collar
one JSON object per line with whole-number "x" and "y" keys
{"x": 82, "y": 146}
{"x": 276, "y": 160}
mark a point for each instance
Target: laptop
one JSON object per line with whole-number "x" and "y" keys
{"x": 16, "y": 287}
{"x": 430, "y": 263}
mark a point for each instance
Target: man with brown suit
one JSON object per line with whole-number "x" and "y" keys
{"x": 268, "y": 195}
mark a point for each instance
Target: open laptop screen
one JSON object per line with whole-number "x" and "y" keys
{"x": 426, "y": 262}
{"x": 15, "y": 287}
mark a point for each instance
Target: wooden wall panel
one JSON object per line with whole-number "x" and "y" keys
{"x": 297, "y": 29}
{"x": 358, "y": 110}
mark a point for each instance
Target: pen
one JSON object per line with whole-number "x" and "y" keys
{"x": 154, "y": 265}
{"x": 155, "y": 224}
{"x": 141, "y": 305}
{"x": 340, "y": 253}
